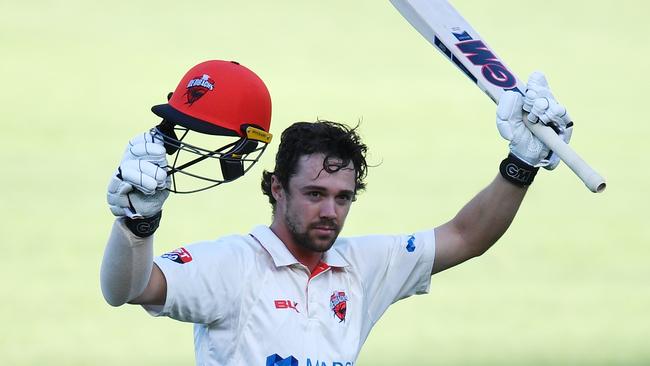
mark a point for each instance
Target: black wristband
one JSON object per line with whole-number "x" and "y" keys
{"x": 143, "y": 227}
{"x": 517, "y": 171}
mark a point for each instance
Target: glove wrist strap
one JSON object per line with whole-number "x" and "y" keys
{"x": 143, "y": 227}
{"x": 517, "y": 171}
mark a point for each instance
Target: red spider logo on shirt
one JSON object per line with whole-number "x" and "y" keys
{"x": 339, "y": 304}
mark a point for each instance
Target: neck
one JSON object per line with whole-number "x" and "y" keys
{"x": 306, "y": 257}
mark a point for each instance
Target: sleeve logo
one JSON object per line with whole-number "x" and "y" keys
{"x": 180, "y": 256}
{"x": 410, "y": 244}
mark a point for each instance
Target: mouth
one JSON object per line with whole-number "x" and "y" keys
{"x": 324, "y": 230}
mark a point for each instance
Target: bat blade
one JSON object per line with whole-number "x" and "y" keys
{"x": 442, "y": 26}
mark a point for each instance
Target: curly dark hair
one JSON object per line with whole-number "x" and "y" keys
{"x": 335, "y": 140}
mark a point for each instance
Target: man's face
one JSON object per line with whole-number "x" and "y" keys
{"x": 314, "y": 206}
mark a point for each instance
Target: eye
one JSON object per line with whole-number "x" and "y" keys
{"x": 345, "y": 198}
{"x": 314, "y": 194}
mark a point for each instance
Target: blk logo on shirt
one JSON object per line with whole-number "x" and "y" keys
{"x": 286, "y": 304}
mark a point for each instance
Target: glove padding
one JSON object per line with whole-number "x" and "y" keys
{"x": 542, "y": 106}
{"x": 139, "y": 187}
{"x": 146, "y": 146}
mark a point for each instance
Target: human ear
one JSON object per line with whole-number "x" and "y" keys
{"x": 276, "y": 188}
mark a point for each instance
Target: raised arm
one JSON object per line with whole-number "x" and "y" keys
{"x": 128, "y": 273}
{"x": 478, "y": 225}
{"x": 136, "y": 194}
{"x": 483, "y": 220}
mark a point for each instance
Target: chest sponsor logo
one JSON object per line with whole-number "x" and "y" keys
{"x": 180, "y": 255}
{"x": 339, "y": 304}
{"x": 323, "y": 363}
{"x": 276, "y": 360}
{"x": 286, "y": 304}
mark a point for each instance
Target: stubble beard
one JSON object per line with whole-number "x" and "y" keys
{"x": 311, "y": 242}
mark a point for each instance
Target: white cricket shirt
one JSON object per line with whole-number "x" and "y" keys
{"x": 253, "y": 303}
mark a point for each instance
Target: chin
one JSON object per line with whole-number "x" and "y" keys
{"x": 323, "y": 244}
{"x": 323, "y": 248}
{"x": 313, "y": 242}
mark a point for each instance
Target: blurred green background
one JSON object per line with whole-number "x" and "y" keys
{"x": 569, "y": 284}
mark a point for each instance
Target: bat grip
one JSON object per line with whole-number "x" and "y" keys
{"x": 594, "y": 181}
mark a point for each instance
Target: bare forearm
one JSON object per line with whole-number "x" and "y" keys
{"x": 478, "y": 225}
{"x": 488, "y": 215}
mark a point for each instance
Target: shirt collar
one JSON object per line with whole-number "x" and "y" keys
{"x": 334, "y": 259}
{"x": 283, "y": 257}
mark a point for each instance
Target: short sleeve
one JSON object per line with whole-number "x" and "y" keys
{"x": 203, "y": 281}
{"x": 392, "y": 267}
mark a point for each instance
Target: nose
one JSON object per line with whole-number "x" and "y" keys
{"x": 328, "y": 209}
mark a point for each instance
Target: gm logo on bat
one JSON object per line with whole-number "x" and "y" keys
{"x": 480, "y": 55}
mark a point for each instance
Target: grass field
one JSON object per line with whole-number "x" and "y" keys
{"x": 569, "y": 284}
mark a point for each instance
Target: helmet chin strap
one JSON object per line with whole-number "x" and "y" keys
{"x": 232, "y": 167}
{"x": 167, "y": 130}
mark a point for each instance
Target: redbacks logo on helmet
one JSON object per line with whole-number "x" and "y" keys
{"x": 197, "y": 87}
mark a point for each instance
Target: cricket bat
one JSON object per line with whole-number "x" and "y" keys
{"x": 452, "y": 35}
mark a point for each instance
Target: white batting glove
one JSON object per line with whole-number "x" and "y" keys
{"x": 542, "y": 107}
{"x": 146, "y": 146}
{"x": 537, "y": 87}
{"x": 510, "y": 123}
{"x": 138, "y": 188}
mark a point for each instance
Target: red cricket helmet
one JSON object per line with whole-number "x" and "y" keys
{"x": 216, "y": 98}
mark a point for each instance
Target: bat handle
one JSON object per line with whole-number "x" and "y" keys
{"x": 594, "y": 181}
